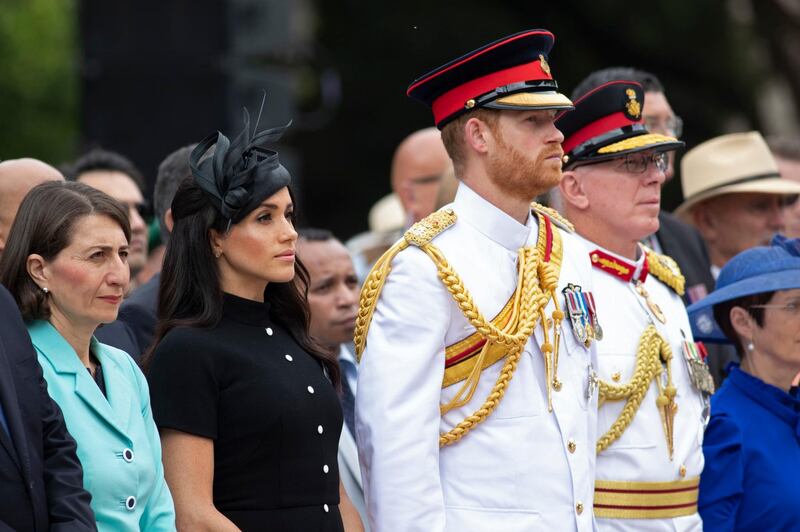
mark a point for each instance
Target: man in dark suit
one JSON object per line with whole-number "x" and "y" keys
{"x": 41, "y": 480}
{"x": 135, "y": 325}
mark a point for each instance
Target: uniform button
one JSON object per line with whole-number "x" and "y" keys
{"x": 557, "y": 385}
{"x": 325, "y": 468}
{"x": 130, "y": 503}
{"x": 310, "y": 389}
{"x": 289, "y": 358}
{"x": 127, "y": 455}
{"x": 682, "y": 470}
{"x": 571, "y": 445}
{"x": 269, "y": 331}
{"x": 319, "y": 429}
{"x": 325, "y": 507}
{"x": 616, "y": 376}
{"x": 579, "y": 508}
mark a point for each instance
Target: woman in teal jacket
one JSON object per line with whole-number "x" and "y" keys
{"x": 65, "y": 263}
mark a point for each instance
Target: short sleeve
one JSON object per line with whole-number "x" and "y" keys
{"x": 184, "y": 384}
{"x": 722, "y": 482}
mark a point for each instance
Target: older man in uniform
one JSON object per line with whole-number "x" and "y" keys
{"x": 653, "y": 380}
{"x": 474, "y": 410}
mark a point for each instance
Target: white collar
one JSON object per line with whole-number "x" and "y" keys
{"x": 491, "y": 221}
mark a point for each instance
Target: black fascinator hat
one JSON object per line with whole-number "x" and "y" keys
{"x": 241, "y": 173}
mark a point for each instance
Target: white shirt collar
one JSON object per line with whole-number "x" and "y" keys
{"x": 491, "y": 221}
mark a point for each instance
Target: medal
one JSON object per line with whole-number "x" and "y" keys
{"x": 598, "y": 331}
{"x": 698, "y": 369}
{"x": 592, "y": 383}
{"x": 575, "y": 312}
{"x": 652, "y": 305}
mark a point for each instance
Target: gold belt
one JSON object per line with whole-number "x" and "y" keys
{"x": 645, "y": 500}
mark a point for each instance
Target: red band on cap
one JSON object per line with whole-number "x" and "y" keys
{"x": 454, "y": 99}
{"x": 597, "y": 128}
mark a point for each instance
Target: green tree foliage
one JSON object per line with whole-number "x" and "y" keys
{"x": 38, "y": 79}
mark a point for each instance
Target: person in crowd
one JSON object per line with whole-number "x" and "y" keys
{"x": 245, "y": 400}
{"x": 333, "y": 303}
{"x": 41, "y": 480}
{"x": 66, "y": 266}
{"x": 734, "y": 194}
{"x": 17, "y": 178}
{"x": 752, "y": 444}
{"x": 468, "y": 299}
{"x": 417, "y": 167}
{"x": 118, "y": 177}
{"x": 650, "y": 420}
{"x": 135, "y": 326}
{"x": 674, "y": 238}
{"x": 786, "y": 151}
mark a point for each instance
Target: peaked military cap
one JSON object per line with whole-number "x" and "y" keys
{"x": 510, "y": 73}
{"x": 607, "y": 123}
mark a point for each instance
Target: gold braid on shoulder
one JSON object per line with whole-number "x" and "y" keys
{"x": 666, "y": 270}
{"x": 653, "y": 354}
{"x": 536, "y": 285}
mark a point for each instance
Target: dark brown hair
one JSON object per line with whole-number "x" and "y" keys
{"x": 190, "y": 293}
{"x": 722, "y": 313}
{"x": 44, "y": 226}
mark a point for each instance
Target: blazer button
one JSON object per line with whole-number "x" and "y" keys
{"x": 325, "y": 507}
{"x": 130, "y": 503}
{"x": 127, "y": 455}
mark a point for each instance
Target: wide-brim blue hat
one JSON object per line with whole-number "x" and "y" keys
{"x": 755, "y": 271}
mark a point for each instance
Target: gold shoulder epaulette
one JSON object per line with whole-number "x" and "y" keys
{"x": 554, "y": 216}
{"x": 666, "y": 270}
{"x": 420, "y": 234}
{"x": 430, "y": 227}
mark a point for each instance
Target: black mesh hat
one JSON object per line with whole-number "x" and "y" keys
{"x": 241, "y": 173}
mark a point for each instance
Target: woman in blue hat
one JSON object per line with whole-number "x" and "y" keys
{"x": 752, "y": 443}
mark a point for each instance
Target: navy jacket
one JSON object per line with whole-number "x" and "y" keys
{"x": 41, "y": 480}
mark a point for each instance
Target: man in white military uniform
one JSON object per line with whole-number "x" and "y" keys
{"x": 653, "y": 378}
{"x": 468, "y": 299}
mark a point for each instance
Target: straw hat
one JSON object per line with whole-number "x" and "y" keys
{"x": 739, "y": 162}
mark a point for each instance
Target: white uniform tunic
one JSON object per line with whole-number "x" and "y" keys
{"x": 641, "y": 453}
{"x": 522, "y": 469}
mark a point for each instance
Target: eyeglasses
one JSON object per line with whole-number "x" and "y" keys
{"x": 637, "y": 163}
{"x": 671, "y": 126}
{"x": 792, "y": 307}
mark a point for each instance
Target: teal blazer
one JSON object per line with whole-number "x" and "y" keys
{"x": 118, "y": 442}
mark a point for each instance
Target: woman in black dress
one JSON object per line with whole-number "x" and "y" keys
{"x": 244, "y": 400}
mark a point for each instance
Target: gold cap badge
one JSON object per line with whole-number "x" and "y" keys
{"x": 633, "y": 107}
{"x": 543, "y": 64}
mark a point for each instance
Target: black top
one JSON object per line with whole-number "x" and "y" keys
{"x": 273, "y": 415}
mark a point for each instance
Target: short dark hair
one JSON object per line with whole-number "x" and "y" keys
{"x": 722, "y": 313}
{"x": 172, "y": 171}
{"x": 99, "y": 159}
{"x": 313, "y": 234}
{"x": 648, "y": 81}
{"x": 44, "y": 226}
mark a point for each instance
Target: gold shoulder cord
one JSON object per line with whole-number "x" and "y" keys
{"x": 652, "y": 352}
{"x": 666, "y": 270}
{"x": 536, "y": 285}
